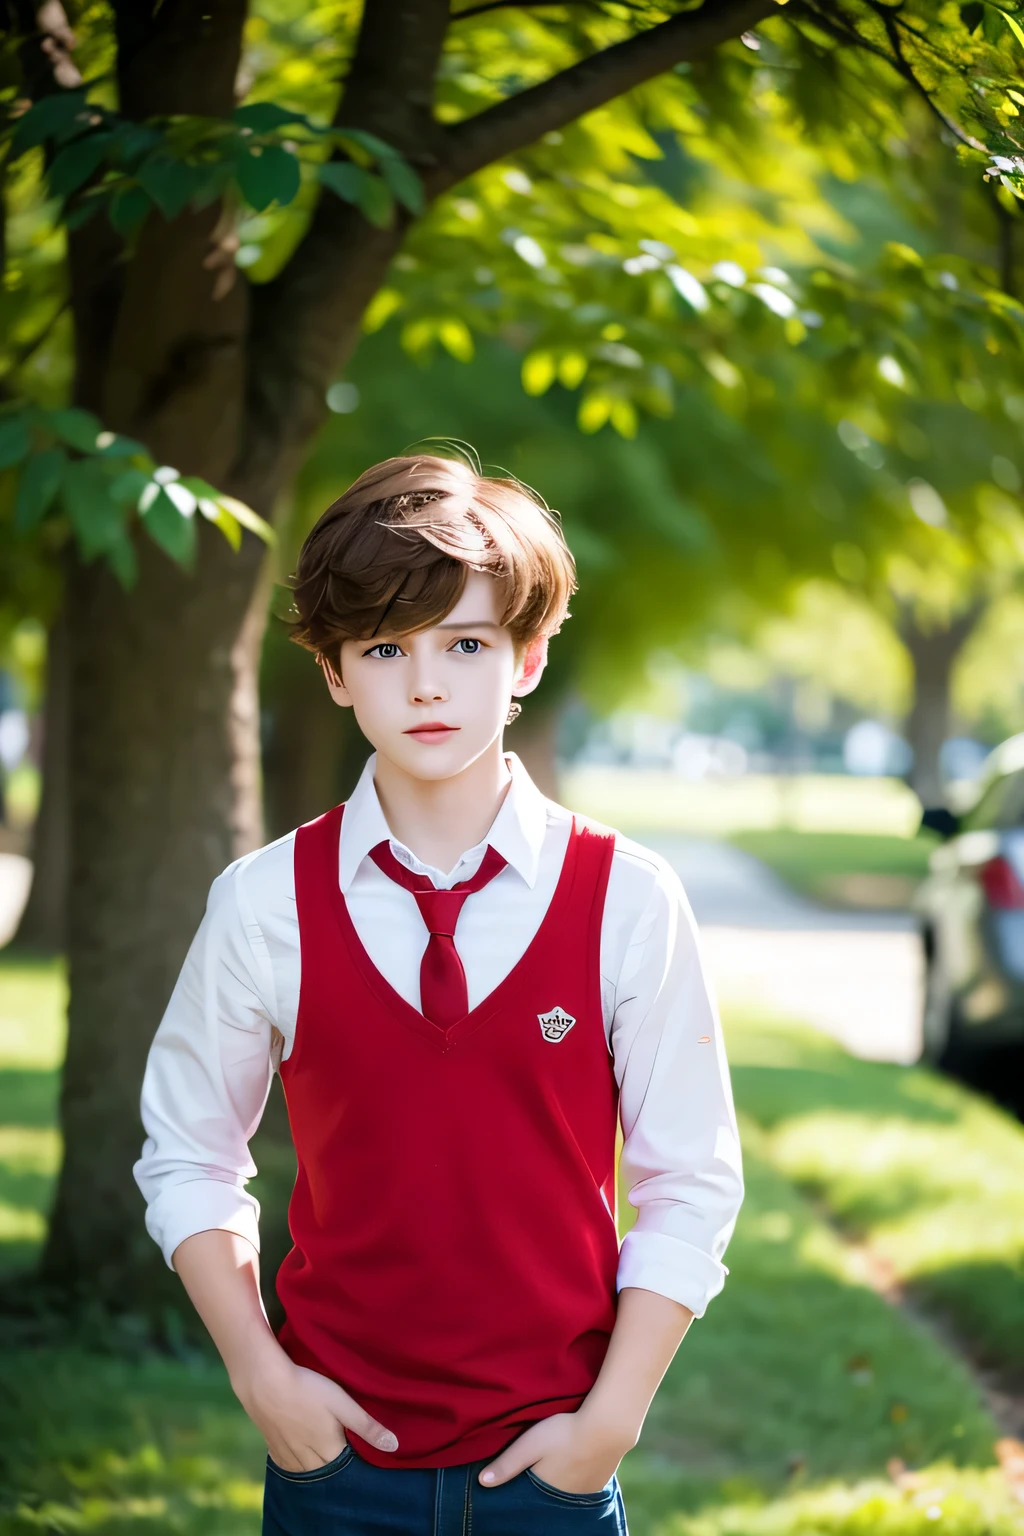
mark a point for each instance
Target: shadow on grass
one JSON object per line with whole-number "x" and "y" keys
{"x": 93, "y": 1443}
{"x": 985, "y": 1304}
{"x": 926, "y": 1171}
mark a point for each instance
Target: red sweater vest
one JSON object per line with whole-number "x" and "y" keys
{"x": 455, "y": 1249}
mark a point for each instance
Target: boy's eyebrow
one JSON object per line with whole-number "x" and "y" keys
{"x": 470, "y": 624}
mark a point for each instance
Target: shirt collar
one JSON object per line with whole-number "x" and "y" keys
{"x": 517, "y": 832}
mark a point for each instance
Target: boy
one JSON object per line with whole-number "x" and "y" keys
{"x": 465, "y": 1347}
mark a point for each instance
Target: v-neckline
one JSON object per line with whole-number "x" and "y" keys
{"x": 443, "y": 1039}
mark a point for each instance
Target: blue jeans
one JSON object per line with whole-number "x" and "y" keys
{"x": 349, "y": 1497}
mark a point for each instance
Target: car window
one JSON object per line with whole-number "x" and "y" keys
{"x": 1001, "y": 805}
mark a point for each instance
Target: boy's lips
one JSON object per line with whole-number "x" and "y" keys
{"x": 433, "y": 730}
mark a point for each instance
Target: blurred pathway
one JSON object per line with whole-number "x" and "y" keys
{"x": 855, "y": 975}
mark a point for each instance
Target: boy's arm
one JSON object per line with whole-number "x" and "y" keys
{"x": 301, "y": 1415}
{"x": 680, "y": 1166}
{"x": 205, "y": 1088}
{"x": 580, "y": 1451}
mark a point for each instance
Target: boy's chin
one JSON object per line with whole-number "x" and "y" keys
{"x": 446, "y": 760}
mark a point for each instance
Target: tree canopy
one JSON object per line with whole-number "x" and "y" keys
{"x": 643, "y": 205}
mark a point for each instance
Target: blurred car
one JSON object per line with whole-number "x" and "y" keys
{"x": 971, "y": 907}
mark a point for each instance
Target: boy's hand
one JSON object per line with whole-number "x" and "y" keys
{"x": 570, "y": 1451}
{"x": 303, "y": 1415}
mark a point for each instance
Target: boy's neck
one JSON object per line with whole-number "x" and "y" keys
{"x": 438, "y": 819}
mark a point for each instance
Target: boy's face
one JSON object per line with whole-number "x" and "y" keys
{"x": 434, "y": 701}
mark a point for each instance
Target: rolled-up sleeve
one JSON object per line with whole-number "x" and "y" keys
{"x": 207, "y": 1079}
{"x": 681, "y": 1163}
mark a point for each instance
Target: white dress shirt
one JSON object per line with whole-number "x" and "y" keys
{"x": 232, "y": 1015}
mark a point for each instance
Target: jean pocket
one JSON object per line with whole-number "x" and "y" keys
{"x": 316, "y": 1474}
{"x": 602, "y": 1496}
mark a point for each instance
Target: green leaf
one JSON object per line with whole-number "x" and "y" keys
{"x": 1015, "y": 27}
{"x": 129, "y": 485}
{"x": 404, "y": 183}
{"x": 123, "y": 561}
{"x": 96, "y": 518}
{"x": 113, "y": 446}
{"x": 199, "y": 487}
{"x": 368, "y": 141}
{"x": 77, "y": 161}
{"x": 170, "y": 183}
{"x": 47, "y": 118}
{"x": 344, "y": 178}
{"x": 248, "y": 518}
{"x": 133, "y": 141}
{"x": 79, "y": 429}
{"x": 128, "y": 210}
{"x": 38, "y": 484}
{"x": 175, "y": 534}
{"x": 265, "y": 116}
{"x": 270, "y": 177}
{"x": 538, "y": 372}
{"x": 86, "y": 210}
{"x": 14, "y": 438}
{"x": 221, "y": 518}
{"x": 376, "y": 202}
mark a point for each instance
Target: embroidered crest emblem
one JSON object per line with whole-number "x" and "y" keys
{"x": 554, "y": 1026}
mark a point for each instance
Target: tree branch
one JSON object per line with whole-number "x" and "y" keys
{"x": 905, "y": 69}
{"x": 534, "y": 5}
{"x": 523, "y": 119}
{"x": 390, "y": 86}
{"x": 306, "y": 321}
{"x": 179, "y": 57}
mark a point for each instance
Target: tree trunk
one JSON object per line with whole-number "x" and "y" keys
{"x": 313, "y": 751}
{"x": 43, "y": 923}
{"x": 164, "y": 780}
{"x": 933, "y": 652}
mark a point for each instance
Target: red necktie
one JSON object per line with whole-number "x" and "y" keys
{"x": 443, "y": 996}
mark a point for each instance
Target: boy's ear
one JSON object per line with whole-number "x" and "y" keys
{"x": 332, "y": 676}
{"x": 531, "y": 666}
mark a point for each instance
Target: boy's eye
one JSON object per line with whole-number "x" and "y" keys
{"x": 385, "y": 650}
{"x": 469, "y": 646}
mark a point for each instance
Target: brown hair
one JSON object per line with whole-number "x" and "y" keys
{"x": 397, "y": 545}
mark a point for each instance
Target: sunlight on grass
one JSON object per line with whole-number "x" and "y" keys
{"x": 927, "y": 1171}
{"x": 943, "y": 1499}
{"x": 32, "y": 1033}
{"x": 33, "y": 1000}
{"x": 30, "y": 1149}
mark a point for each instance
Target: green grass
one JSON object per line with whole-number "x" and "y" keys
{"x": 929, "y": 1173}
{"x": 855, "y": 868}
{"x": 777, "y": 1419}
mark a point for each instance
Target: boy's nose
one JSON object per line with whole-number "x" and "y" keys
{"x": 427, "y": 690}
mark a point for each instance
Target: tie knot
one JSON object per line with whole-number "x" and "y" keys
{"x": 439, "y": 909}
{"x": 443, "y": 995}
